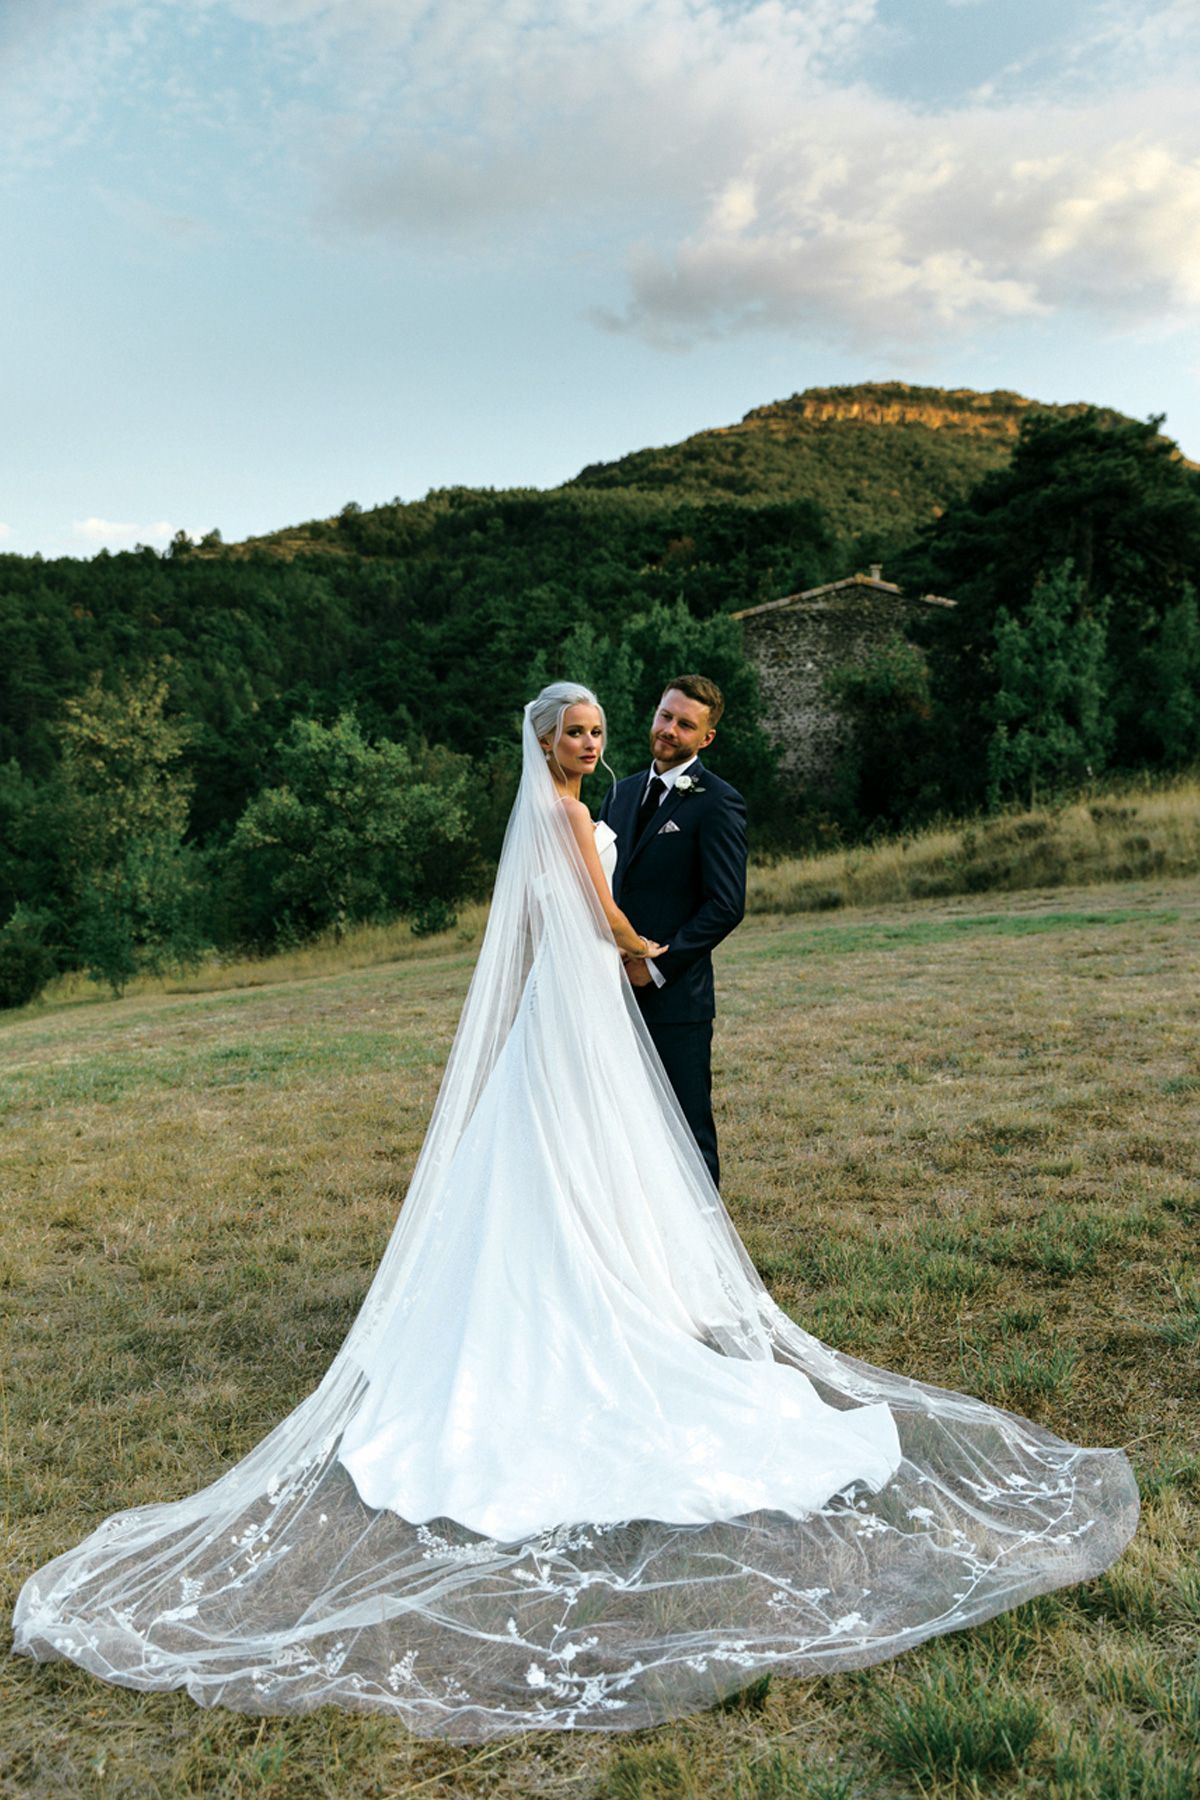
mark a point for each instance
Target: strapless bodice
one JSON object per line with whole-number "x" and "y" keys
{"x": 606, "y": 845}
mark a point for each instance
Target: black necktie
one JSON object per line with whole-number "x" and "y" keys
{"x": 649, "y": 806}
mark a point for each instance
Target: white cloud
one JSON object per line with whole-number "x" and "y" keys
{"x": 1139, "y": 39}
{"x": 458, "y": 118}
{"x": 107, "y": 534}
{"x": 726, "y": 158}
{"x": 59, "y": 62}
{"x": 890, "y": 226}
{"x": 754, "y": 181}
{"x": 5, "y": 532}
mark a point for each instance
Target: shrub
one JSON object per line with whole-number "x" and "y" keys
{"x": 27, "y": 962}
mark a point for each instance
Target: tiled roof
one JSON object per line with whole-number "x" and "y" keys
{"x": 873, "y": 582}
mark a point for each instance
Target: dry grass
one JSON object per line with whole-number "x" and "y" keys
{"x": 1141, "y": 834}
{"x": 959, "y": 1140}
{"x": 361, "y": 947}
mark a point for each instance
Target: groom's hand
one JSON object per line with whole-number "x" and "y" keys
{"x": 638, "y": 971}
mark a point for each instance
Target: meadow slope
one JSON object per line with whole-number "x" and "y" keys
{"x": 960, "y": 1139}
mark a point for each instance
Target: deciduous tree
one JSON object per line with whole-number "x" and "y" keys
{"x": 126, "y": 814}
{"x": 349, "y": 831}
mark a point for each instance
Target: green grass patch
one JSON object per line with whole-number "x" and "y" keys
{"x": 1155, "y": 1691}
{"x": 1106, "y": 1765}
{"x": 850, "y": 940}
{"x": 955, "y": 1722}
{"x": 1172, "y": 1470}
{"x": 279, "y": 1060}
{"x": 644, "y": 1774}
{"x": 1180, "y": 1327}
{"x": 1019, "y": 1375}
{"x": 779, "y": 1776}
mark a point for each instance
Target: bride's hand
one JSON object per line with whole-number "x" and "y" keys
{"x": 652, "y": 949}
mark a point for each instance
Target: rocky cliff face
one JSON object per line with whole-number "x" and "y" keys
{"x": 962, "y": 410}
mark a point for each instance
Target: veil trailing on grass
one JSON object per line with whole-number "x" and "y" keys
{"x": 572, "y": 1466}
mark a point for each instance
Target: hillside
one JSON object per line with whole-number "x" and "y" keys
{"x": 409, "y": 636}
{"x": 878, "y": 460}
{"x": 400, "y": 610}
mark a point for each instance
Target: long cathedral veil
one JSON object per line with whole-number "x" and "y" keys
{"x": 279, "y": 1588}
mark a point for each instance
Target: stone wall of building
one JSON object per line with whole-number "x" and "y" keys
{"x": 795, "y": 644}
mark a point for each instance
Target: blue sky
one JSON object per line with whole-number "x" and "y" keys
{"x": 261, "y": 257}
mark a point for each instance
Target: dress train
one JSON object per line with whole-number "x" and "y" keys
{"x": 572, "y": 1467}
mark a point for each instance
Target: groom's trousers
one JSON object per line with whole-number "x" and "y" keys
{"x": 686, "y": 1055}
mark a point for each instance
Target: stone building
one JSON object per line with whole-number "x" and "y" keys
{"x": 795, "y": 644}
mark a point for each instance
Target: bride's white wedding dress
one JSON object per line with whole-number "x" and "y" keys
{"x": 571, "y": 1321}
{"x": 572, "y": 1466}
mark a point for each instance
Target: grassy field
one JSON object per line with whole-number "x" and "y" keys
{"x": 960, "y": 1139}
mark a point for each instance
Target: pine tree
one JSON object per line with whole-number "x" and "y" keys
{"x": 1172, "y": 681}
{"x": 1051, "y": 726}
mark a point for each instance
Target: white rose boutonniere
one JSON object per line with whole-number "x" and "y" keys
{"x": 687, "y": 784}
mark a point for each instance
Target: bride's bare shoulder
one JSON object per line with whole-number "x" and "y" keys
{"x": 579, "y": 819}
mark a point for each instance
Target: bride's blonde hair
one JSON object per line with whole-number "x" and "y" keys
{"x": 548, "y": 709}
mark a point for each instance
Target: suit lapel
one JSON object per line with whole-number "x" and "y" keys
{"x": 625, "y": 824}
{"x": 667, "y": 809}
{"x": 623, "y": 819}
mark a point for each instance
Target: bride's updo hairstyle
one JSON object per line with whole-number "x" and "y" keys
{"x": 548, "y": 709}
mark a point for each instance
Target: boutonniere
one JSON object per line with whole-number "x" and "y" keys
{"x": 687, "y": 784}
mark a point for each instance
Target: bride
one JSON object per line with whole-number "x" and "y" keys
{"x": 572, "y": 1466}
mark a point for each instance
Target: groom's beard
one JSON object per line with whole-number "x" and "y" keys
{"x": 666, "y": 756}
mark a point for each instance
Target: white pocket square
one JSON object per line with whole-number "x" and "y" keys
{"x": 669, "y": 826}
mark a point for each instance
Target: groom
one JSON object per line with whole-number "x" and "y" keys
{"x": 681, "y": 878}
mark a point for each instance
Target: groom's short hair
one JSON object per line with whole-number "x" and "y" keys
{"x": 703, "y": 691}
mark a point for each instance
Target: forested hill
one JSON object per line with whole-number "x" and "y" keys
{"x": 407, "y": 613}
{"x": 231, "y": 744}
{"x": 878, "y": 460}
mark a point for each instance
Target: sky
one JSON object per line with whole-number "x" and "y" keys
{"x": 259, "y": 258}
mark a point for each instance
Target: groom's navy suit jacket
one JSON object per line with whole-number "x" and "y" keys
{"x": 685, "y": 888}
